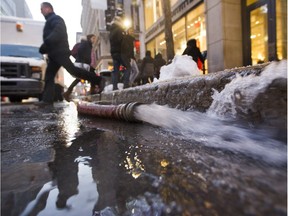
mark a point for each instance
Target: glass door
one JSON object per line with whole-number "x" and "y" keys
{"x": 259, "y": 31}
{"x": 259, "y": 35}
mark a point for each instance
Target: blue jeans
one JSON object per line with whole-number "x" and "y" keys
{"x": 117, "y": 62}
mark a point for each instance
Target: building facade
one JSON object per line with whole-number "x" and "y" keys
{"x": 94, "y": 20}
{"x": 234, "y": 33}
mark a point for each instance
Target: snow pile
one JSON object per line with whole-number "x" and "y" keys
{"x": 181, "y": 66}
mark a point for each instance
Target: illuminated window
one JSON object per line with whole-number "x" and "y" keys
{"x": 151, "y": 47}
{"x": 153, "y": 11}
{"x": 259, "y": 35}
{"x": 149, "y": 13}
{"x": 193, "y": 25}
{"x": 249, "y": 2}
{"x": 159, "y": 11}
{"x": 196, "y": 26}
{"x": 281, "y": 28}
{"x": 179, "y": 36}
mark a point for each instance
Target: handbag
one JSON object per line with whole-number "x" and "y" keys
{"x": 199, "y": 64}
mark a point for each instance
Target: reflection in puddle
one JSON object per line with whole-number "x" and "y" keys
{"x": 80, "y": 204}
{"x": 70, "y": 123}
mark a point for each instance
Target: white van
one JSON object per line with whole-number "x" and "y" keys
{"x": 22, "y": 66}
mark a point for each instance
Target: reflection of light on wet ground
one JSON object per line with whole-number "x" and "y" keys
{"x": 133, "y": 163}
{"x": 70, "y": 122}
{"x": 164, "y": 163}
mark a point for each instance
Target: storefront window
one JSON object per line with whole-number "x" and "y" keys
{"x": 259, "y": 35}
{"x": 161, "y": 45}
{"x": 179, "y": 36}
{"x": 151, "y": 47}
{"x": 159, "y": 9}
{"x": 281, "y": 28}
{"x": 196, "y": 27}
{"x": 149, "y": 13}
{"x": 249, "y": 2}
{"x": 153, "y": 11}
{"x": 193, "y": 25}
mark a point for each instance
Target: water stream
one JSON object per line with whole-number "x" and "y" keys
{"x": 215, "y": 128}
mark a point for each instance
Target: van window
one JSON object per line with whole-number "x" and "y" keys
{"x": 20, "y": 51}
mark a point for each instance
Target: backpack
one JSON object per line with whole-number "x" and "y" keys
{"x": 74, "y": 51}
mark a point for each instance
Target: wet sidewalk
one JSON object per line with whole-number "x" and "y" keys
{"x": 60, "y": 163}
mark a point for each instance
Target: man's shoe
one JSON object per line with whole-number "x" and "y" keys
{"x": 66, "y": 96}
{"x": 43, "y": 104}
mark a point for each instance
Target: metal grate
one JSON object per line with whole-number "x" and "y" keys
{"x": 15, "y": 70}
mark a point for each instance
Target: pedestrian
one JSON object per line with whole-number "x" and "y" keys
{"x": 158, "y": 63}
{"x": 83, "y": 56}
{"x": 56, "y": 46}
{"x": 128, "y": 57}
{"x": 193, "y": 51}
{"x": 147, "y": 68}
{"x": 116, "y": 37}
{"x": 138, "y": 78}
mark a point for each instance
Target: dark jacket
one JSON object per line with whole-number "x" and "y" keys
{"x": 158, "y": 63}
{"x": 116, "y": 36}
{"x": 84, "y": 52}
{"x": 147, "y": 66}
{"x": 193, "y": 51}
{"x": 127, "y": 46}
{"x": 55, "y": 37}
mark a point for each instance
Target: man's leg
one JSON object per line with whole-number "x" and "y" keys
{"x": 73, "y": 84}
{"x": 69, "y": 91}
{"x": 127, "y": 71}
{"x": 49, "y": 88}
{"x": 115, "y": 73}
{"x": 64, "y": 60}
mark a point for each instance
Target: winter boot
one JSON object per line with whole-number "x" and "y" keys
{"x": 66, "y": 95}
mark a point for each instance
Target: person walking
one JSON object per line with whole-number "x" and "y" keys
{"x": 83, "y": 58}
{"x": 193, "y": 51}
{"x": 158, "y": 63}
{"x": 147, "y": 68}
{"x": 56, "y": 46}
{"x": 116, "y": 38}
{"x": 128, "y": 57}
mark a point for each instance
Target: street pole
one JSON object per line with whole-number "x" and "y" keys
{"x": 166, "y": 6}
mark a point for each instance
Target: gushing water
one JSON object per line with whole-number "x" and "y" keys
{"x": 242, "y": 91}
{"x": 211, "y": 130}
